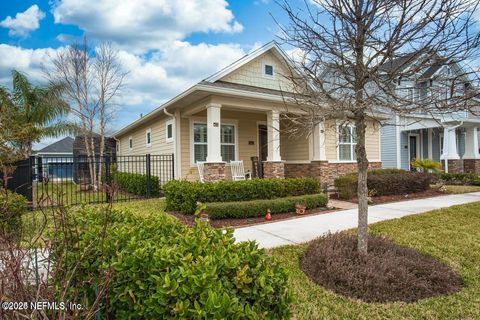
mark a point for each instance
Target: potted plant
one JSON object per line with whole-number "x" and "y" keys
{"x": 300, "y": 208}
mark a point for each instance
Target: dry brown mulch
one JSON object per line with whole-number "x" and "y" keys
{"x": 189, "y": 220}
{"x": 399, "y": 197}
{"x": 388, "y": 273}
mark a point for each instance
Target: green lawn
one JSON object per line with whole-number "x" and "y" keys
{"x": 461, "y": 189}
{"x": 452, "y": 235}
{"x": 65, "y": 192}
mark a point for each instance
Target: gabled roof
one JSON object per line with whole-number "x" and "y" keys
{"x": 61, "y": 146}
{"x": 272, "y": 45}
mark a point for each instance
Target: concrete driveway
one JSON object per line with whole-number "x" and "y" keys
{"x": 295, "y": 231}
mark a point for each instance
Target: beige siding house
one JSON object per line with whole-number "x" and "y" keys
{"x": 238, "y": 114}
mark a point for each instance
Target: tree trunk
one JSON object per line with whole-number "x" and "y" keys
{"x": 362, "y": 162}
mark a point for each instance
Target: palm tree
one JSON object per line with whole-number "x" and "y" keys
{"x": 40, "y": 110}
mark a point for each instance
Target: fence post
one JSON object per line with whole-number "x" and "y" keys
{"x": 173, "y": 167}
{"x": 39, "y": 169}
{"x": 148, "y": 172}
{"x": 108, "y": 179}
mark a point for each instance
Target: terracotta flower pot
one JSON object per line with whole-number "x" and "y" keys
{"x": 300, "y": 208}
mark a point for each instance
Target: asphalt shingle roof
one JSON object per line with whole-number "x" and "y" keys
{"x": 64, "y": 146}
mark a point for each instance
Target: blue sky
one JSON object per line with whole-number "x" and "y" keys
{"x": 166, "y": 46}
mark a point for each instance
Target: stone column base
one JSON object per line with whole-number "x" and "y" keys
{"x": 327, "y": 172}
{"x": 471, "y": 165}
{"x": 454, "y": 165}
{"x": 214, "y": 171}
{"x": 274, "y": 169}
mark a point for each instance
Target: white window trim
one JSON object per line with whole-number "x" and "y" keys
{"x": 169, "y": 122}
{"x": 440, "y": 138}
{"x": 148, "y": 131}
{"x": 130, "y": 143}
{"x": 267, "y": 63}
{"x": 352, "y": 145}
{"x": 203, "y": 120}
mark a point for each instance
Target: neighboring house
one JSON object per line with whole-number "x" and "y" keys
{"x": 56, "y": 160}
{"x": 239, "y": 113}
{"x": 452, "y": 137}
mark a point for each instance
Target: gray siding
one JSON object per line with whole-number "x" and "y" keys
{"x": 436, "y": 144}
{"x": 389, "y": 146}
{"x": 425, "y": 144}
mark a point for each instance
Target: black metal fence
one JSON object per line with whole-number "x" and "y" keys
{"x": 52, "y": 181}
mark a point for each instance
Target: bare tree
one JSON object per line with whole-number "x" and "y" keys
{"x": 92, "y": 80}
{"x": 353, "y": 51}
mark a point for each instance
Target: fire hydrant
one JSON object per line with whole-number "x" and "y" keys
{"x": 268, "y": 216}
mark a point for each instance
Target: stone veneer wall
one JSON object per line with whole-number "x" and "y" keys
{"x": 454, "y": 166}
{"x": 274, "y": 169}
{"x": 325, "y": 171}
{"x": 214, "y": 171}
{"x": 471, "y": 165}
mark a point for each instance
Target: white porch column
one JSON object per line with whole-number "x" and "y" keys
{"x": 449, "y": 145}
{"x": 273, "y": 136}
{"x": 318, "y": 138}
{"x": 471, "y": 144}
{"x": 213, "y": 133}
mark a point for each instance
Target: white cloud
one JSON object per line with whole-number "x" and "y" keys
{"x": 30, "y": 61}
{"x": 151, "y": 79}
{"x": 146, "y": 24}
{"x": 24, "y": 22}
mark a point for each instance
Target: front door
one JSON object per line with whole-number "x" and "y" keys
{"x": 262, "y": 142}
{"x": 413, "y": 148}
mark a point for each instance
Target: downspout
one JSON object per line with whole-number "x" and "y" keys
{"x": 448, "y": 143}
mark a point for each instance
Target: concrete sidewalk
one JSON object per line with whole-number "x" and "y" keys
{"x": 300, "y": 230}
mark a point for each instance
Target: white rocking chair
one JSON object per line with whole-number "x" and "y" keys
{"x": 238, "y": 171}
{"x": 201, "y": 170}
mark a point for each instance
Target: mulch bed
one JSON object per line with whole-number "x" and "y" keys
{"x": 388, "y": 272}
{"x": 242, "y": 222}
{"x": 398, "y": 197}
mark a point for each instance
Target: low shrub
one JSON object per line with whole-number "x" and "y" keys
{"x": 426, "y": 165}
{"x": 388, "y": 273}
{"x": 165, "y": 270}
{"x": 136, "y": 183}
{"x": 384, "y": 182}
{"x": 384, "y": 171}
{"x": 399, "y": 183}
{"x": 460, "y": 178}
{"x": 184, "y": 195}
{"x": 258, "y": 208}
{"x": 12, "y": 207}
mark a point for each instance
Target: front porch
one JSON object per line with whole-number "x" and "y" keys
{"x": 220, "y": 132}
{"x": 453, "y": 144}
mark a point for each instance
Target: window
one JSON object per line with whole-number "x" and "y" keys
{"x": 169, "y": 131}
{"x": 130, "y": 143}
{"x": 268, "y": 70}
{"x": 148, "y": 138}
{"x": 347, "y": 140}
{"x": 199, "y": 142}
{"x": 227, "y": 142}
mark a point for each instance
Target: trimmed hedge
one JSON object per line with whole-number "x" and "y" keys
{"x": 460, "y": 178}
{"x": 183, "y": 195}
{"x": 12, "y": 207}
{"x": 384, "y": 183}
{"x": 258, "y": 208}
{"x": 136, "y": 183}
{"x": 165, "y": 270}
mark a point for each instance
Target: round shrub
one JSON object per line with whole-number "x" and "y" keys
{"x": 387, "y": 273}
{"x": 165, "y": 270}
{"x": 12, "y": 207}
